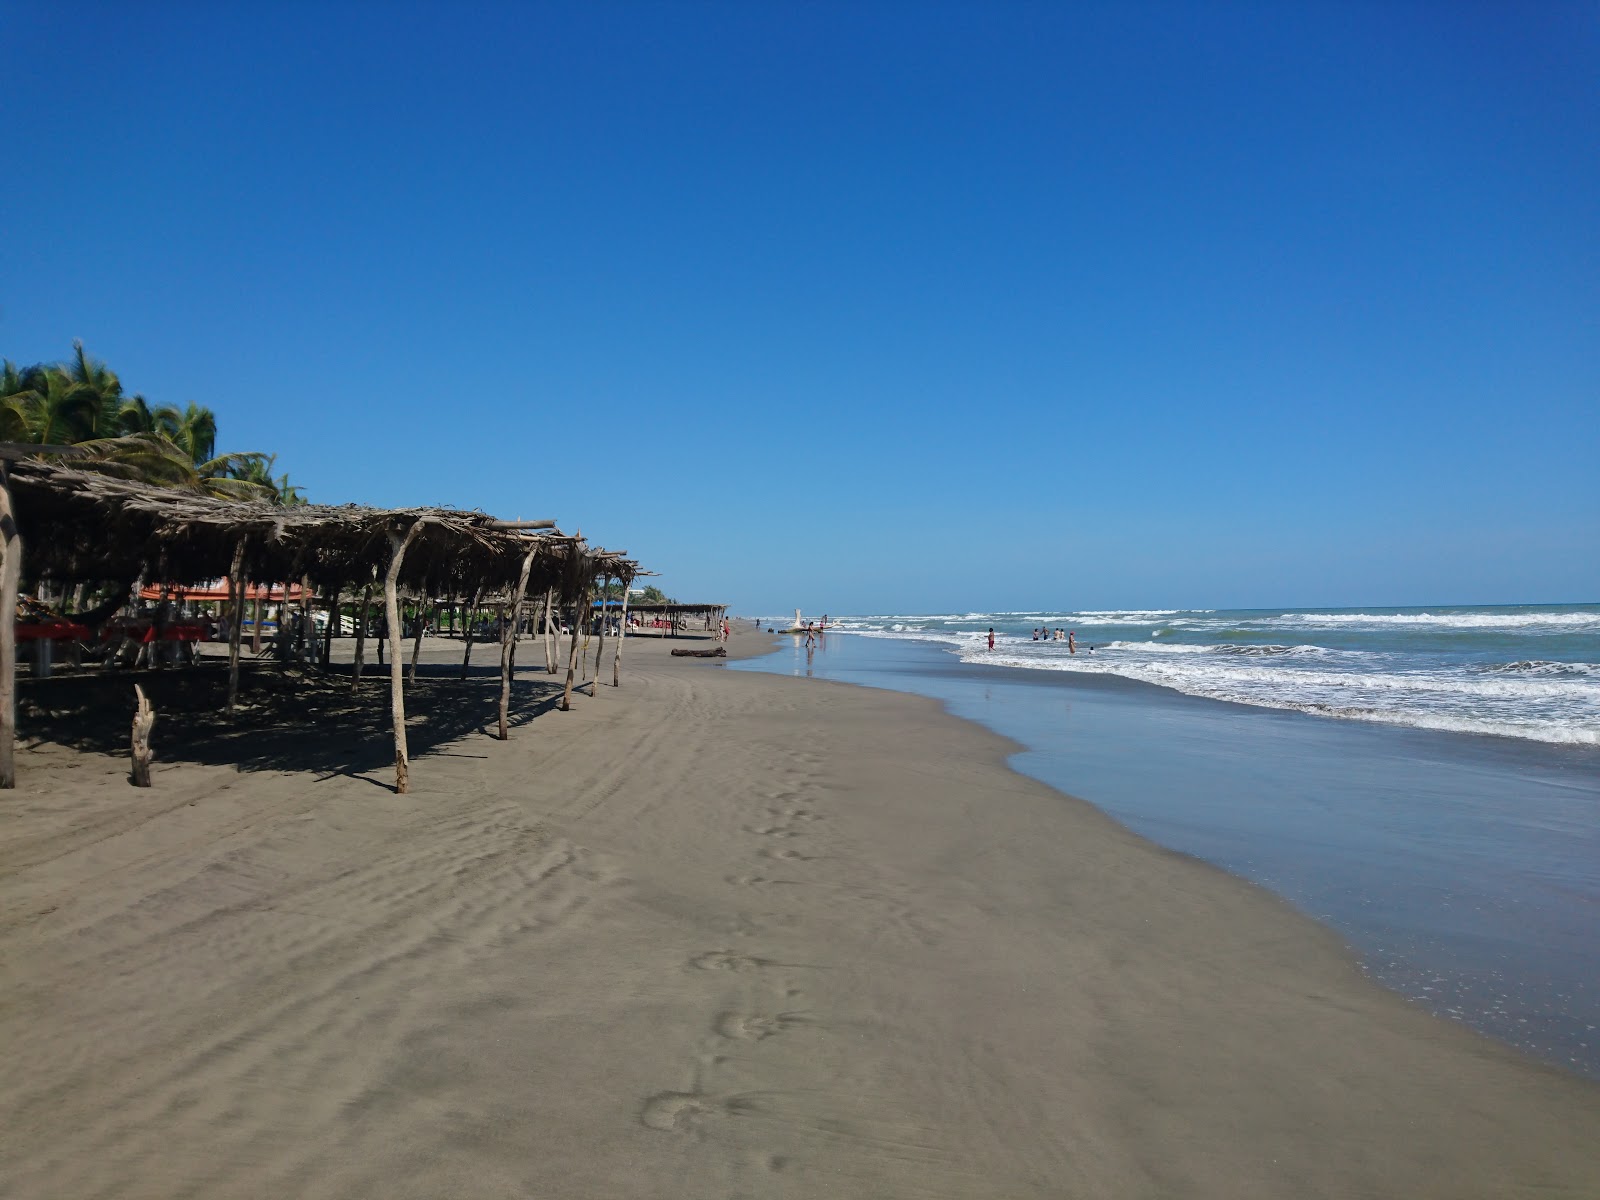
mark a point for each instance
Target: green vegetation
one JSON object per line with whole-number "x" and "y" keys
{"x": 81, "y": 403}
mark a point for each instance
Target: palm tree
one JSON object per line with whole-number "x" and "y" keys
{"x": 258, "y": 470}
{"x": 100, "y": 381}
{"x": 195, "y": 429}
{"x": 156, "y": 458}
{"x": 44, "y": 405}
{"x": 82, "y": 402}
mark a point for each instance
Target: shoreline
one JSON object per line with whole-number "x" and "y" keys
{"x": 1457, "y": 868}
{"x": 711, "y": 933}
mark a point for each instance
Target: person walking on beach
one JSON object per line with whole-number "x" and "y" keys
{"x": 991, "y": 637}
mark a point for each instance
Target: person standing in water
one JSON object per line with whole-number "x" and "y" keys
{"x": 991, "y": 637}
{"x": 1072, "y": 642}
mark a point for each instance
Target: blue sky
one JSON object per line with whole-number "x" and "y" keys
{"x": 860, "y": 307}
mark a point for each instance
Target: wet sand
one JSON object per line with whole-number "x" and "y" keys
{"x": 711, "y": 934}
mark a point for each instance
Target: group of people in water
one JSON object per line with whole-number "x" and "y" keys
{"x": 1045, "y": 634}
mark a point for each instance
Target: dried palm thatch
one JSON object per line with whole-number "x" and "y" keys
{"x": 85, "y": 526}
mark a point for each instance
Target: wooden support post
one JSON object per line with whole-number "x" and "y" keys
{"x": 255, "y": 621}
{"x": 333, "y": 626}
{"x": 466, "y": 654}
{"x": 10, "y": 581}
{"x": 308, "y": 627}
{"x": 361, "y": 638}
{"x": 622, "y": 632}
{"x": 508, "y": 640}
{"x": 144, "y": 720}
{"x": 236, "y": 625}
{"x": 600, "y": 645}
{"x": 416, "y": 645}
{"x": 572, "y": 659}
{"x": 549, "y": 631}
{"x": 398, "y": 546}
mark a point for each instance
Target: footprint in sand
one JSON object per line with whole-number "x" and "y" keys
{"x": 685, "y": 1112}
{"x": 676, "y": 1111}
{"x": 756, "y": 1027}
{"x": 761, "y": 881}
{"x": 727, "y": 960}
{"x": 786, "y": 855}
{"x": 771, "y": 831}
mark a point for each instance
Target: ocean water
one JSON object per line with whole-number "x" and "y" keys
{"x": 1527, "y": 671}
{"x": 1463, "y": 868}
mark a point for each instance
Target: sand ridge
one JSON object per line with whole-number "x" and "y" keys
{"x": 711, "y": 934}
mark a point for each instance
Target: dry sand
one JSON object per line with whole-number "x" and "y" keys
{"x": 712, "y": 935}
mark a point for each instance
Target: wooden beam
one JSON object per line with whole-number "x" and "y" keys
{"x": 522, "y": 525}
{"x": 549, "y": 631}
{"x": 333, "y": 626}
{"x": 308, "y": 627}
{"x": 572, "y": 660}
{"x": 466, "y": 655}
{"x": 508, "y": 636}
{"x": 236, "y": 625}
{"x": 422, "y": 621}
{"x": 361, "y": 638}
{"x": 622, "y": 633}
{"x": 398, "y": 546}
{"x": 600, "y": 647}
{"x": 10, "y": 581}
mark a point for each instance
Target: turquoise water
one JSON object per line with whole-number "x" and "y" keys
{"x": 1528, "y": 671}
{"x": 1463, "y": 868}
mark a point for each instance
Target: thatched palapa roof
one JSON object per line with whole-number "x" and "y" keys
{"x": 79, "y": 525}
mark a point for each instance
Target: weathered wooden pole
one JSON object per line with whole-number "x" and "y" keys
{"x": 572, "y": 659}
{"x": 144, "y": 720}
{"x": 255, "y": 620}
{"x": 549, "y": 632}
{"x": 308, "y": 627}
{"x": 361, "y": 638}
{"x": 398, "y": 546}
{"x": 10, "y": 581}
{"x": 333, "y": 626}
{"x": 600, "y": 642}
{"x": 416, "y": 645}
{"x": 466, "y": 653}
{"x": 236, "y": 626}
{"x": 622, "y": 632}
{"x": 508, "y": 640}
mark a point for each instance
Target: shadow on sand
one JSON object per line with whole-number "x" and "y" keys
{"x": 289, "y": 718}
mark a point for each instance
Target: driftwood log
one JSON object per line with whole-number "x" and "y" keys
{"x": 719, "y": 652}
{"x": 144, "y": 720}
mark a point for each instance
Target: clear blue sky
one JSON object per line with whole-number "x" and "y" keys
{"x": 860, "y": 307}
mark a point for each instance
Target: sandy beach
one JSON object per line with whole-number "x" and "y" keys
{"x": 712, "y": 934}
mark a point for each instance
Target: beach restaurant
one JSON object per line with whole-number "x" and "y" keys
{"x": 665, "y": 619}
{"x": 73, "y": 526}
